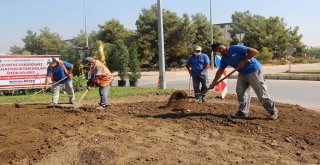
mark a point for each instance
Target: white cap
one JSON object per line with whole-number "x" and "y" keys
{"x": 198, "y": 48}
{"x": 49, "y": 61}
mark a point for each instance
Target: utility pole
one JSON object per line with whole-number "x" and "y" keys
{"x": 161, "y": 47}
{"x": 211, "y": 36}
{"x": 85, "y": 25}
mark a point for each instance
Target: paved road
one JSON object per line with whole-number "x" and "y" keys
{"x": 304, "y": 93}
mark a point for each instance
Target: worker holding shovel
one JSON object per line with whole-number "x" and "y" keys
{"x": 101, "y": 76}
{"x": 60, "y": 72}
{"x": 250, "y": 76}
{"x": 198, "y": 65}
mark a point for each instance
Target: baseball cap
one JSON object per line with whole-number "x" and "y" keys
{"x": 51, "y": 61}
{"x": 198, "y": 48}
{"x": 88, "y": 60}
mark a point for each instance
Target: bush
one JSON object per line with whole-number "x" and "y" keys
{"x": 264, "y": 56}
{"x": 313, "y": 60}
{"x": 279, "y": 62}
{"x": 79, "y": 83}
{"x": 122, "y": 61}
{"x": 134, "y": 64}
{"x": 299, "y": 60}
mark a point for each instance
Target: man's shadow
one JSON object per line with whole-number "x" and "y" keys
{"x": 177, "y": 115}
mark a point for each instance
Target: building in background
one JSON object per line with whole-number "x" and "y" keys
{"x": 225, "y": 28}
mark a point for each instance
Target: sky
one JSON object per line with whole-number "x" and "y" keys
{"x": 66, "y": 17}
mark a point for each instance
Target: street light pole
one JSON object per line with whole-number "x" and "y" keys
{"x": 211, "y": 36}
{"x": 161, "y": 47}
{"x": 85, "y": 24}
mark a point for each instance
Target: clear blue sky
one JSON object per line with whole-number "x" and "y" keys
{"x": 66, "y": 17}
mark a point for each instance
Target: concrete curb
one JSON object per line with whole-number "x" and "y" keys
{"x": 289, "y": 77}
{"x": 296, "y": 77}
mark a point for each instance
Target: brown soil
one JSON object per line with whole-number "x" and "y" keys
{"x": 142, "y": 130}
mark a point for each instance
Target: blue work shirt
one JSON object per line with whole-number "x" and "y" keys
{"x": 235, "y": 55}
{"x": 198, "y": 63}
{"x": 58, "y": 72}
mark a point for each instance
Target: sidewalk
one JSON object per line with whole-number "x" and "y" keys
{"x": 267, "y": 69}
{"x": 182, "y": 74}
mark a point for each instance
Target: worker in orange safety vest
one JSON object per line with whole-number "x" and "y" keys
{"x": 60, "y": 72}
{"x": 99, "y": 75}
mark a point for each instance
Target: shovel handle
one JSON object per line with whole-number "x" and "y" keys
{"x": 76, "y": 107}
{"x": 40, "y": 91}
{"x": 205, "y": 91}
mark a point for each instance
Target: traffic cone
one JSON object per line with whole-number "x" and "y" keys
{"x": 221, "y": 88}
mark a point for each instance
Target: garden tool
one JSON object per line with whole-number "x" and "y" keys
{"x": 76, "y": 107}
{"x": 205, "y": 91}
{"x": 180, "y": 95}
{"x": 17, "y": 104}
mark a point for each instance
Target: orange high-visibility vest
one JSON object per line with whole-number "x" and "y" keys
{"x": 106, "y": 76}
{"x": 63, "y": 66}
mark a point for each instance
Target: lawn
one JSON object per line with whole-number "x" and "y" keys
{"x": 115, "y": 92}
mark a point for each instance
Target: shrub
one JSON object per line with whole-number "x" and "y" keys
{"x": 298, "y": 60}
{"x": 279, "y": 62}
{"x": 122, "y": 61}
{"x": 134, "y": 64}
{"x": 79, "y": 83}
{"x": 264, "y": 56}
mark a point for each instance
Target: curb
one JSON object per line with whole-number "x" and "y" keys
{"x": 306, "y": 78}
{"x": 278, "y": 77}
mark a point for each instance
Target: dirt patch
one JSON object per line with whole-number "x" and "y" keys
{"x": 143, "y": 130}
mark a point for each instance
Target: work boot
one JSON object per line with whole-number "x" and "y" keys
{"x": 101, "y": 108}
{"x": 198, "y": 99}
{"x": 273, "y": 115}
{"x": 53, "y": 104}
{"x": 239, "y": 114}
{"x": 203, "y": 99}
{"x": 72, "y": 102}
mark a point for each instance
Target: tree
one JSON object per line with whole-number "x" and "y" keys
{"x": 271, "y": 33}
{"x": 295, "y": 40}
{"x": 202, "y": 34}
{"x": 31, "y": 42}
{"x": 134, "y": 64}
{"x": 147, "y": 35}
{"x": 314, "y": 52}
{"x": 16, "y": 50}
{"x": 80, "y": 40}
{"x": 264, "y": 56}
{"x": 50, "y": 42}
{"x": 120, "y": 58}
{"x": 112, "y": 31}
{"x": 180, "y": 36}
{"x": 46, "y": 43}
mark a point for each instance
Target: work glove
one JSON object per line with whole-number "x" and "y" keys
{"x": 89, "y": 88}
{"x": 211, "y": 86}
{"x": 46, "y": 87}
{"x": 70, "y": 75}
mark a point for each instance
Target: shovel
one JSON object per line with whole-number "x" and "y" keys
{"x": 17, "y": 104}
{"x": 77, "y": 105}
{"x": 205, "y": 91}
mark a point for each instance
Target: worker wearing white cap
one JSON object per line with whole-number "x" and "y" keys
{"x": 198, "y": 64}
{"x": 57, "y": 71}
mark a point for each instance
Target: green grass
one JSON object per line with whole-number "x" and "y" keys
{"x": 311, "y": 71}
{"x": 294, "y": 74}
{"x": 115, "y": 92}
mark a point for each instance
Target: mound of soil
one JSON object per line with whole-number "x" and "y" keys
{"x": 143, "y": 130}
